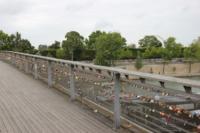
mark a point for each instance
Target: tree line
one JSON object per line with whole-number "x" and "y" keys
{"x": 15, "y": 42}
{"x": 103, "y": 47}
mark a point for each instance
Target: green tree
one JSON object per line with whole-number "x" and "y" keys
{"x": 55, "y": 45}
{"x": 192, "y": 53}
{"x": 149, "y": 41}
{"x": 195, "y": 49}
{"x": 187, "y": 53}
{"x": 138, "y": 63}
{"x": 153, "y": 52}
{"x": 188, "y": 57}
{"x": 166, "y": 58}
{"x": 88, "y": 54}
{"x": 73, "y": 44}
{"x": 15, "y": 42}
{"x": 127, "y": 52}
{"x": 4, "y": 41}
{"x": 60, "y": 53}
{"x": 91, "y": 41}
{"x": 24, "y": 46}
{"x": 173, "y": 49}
{"x": 107, "y": 48}
{"x": 43, "y": 49}
{"x": 52, "y": 49}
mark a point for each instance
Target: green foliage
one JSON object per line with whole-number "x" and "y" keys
{"x": 60, "y": 53}
{"x": 91, "y": 41}
{"x": 103, "y": 47}
{"x": 127, "y": 53}
{"x": 44, "y": 52}
{"x": 34, "y": 51}
{"x": 14, "y": 42}
{"x": 138, "y": 63}
{"x": 73, "y": 44}
{"x": 4, "y": 41}
{"x": 88, "y": 54}
{"x": 173, "y": 48}
{"x": 195, "y": 49}
{"x": 166, "y": 55}
{"x": 42, "y": 47}
{"x": 149, "y": 41}
{"x": 187, "y": 53}
{"x": 101, "y": 59}
{"x": 107, "y": 48}
{"x": 153, "y": 52}
{"x": 51, "y": 52}
{"x": 55, "y": 45}
{"x": 24, "y": 46}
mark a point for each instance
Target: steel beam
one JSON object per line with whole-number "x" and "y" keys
{"x": 26, "y": 65}
{"x": 117, "y": 100}
{"x": 13, "y": 58}
{"x": 35, "y": 68}
{"x": 50, "y": 74}
{"x": 72, "y": 82}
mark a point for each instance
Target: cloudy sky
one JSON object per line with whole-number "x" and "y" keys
{"x": 43, "y": 21}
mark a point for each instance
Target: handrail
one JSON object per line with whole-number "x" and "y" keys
{"x": 22, "y": 61}
{"x": 157, "y": 77}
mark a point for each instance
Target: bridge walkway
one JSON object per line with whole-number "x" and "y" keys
{"x": 29, "y": 106}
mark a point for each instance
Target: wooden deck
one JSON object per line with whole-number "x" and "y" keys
{"x": 29, "y": 106}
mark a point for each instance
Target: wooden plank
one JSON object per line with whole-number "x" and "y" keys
{"x": 29, "y": 106}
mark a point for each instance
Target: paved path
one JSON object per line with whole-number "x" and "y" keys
{"x": 29, "y": 106}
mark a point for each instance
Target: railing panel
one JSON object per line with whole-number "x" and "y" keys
{"x": 61, "y": 75}
{"x": 156, "y": 107}
{"x": 160, "y": 105}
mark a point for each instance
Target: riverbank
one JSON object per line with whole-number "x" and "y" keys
{"x": 170, "y": 69}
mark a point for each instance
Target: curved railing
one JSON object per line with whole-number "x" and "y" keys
{"x": 131, "y": 99}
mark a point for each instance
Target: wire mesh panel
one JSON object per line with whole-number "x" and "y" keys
{"x": 157, "y": 108}
{"x": 148, "y": 101}
{"x": 23, "y": 63}
{"x": 17, "y": 61}
{"x": 6, "y": 57}
{"x": 42, "y": 67}
{"x": 31, "y": 63}
{"x": 60, "y": 75}
{"x": 94, "y": 85}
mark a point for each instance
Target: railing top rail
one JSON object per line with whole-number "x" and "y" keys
{"x": 184, "y": 82}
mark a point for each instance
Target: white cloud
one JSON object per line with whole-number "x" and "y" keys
{"x": 43, "y": 21}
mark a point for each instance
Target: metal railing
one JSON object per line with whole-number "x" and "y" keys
{"x": 128, "y": 94}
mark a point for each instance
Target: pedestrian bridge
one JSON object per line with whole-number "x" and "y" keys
{"x": 86, "y": 98}
{"x": 29, "y": 106}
